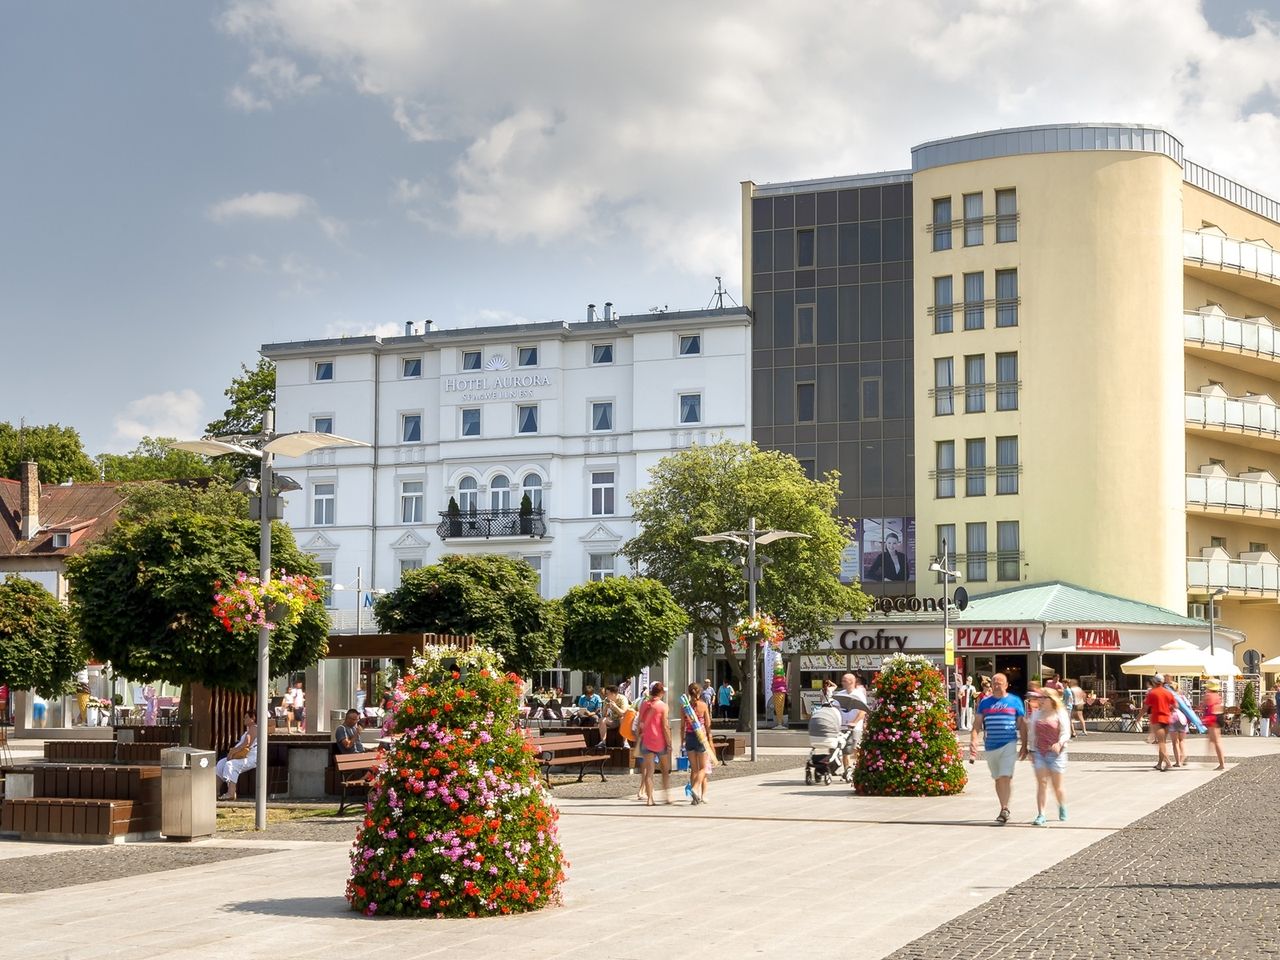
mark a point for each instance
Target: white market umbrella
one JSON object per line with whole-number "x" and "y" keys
{"x": 1180, "y": 658}
{"x": 1272, "y": 664}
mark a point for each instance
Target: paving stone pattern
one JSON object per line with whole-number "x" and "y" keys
{"x": 69, "y": 868}
{"x": 1196, "y": 878}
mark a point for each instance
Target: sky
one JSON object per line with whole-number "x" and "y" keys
{"x": 183, "y": 182}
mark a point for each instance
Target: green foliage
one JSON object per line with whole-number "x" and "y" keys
{"x": 453, "y": 508}
{"x": 154, "y": 459}
{"x": 526, "y": 506}
{"x": 619, "y": 625}
{"x": 155, "y": 498}
{"x": 57, "y": 450}
{"x": 710, "y": 489}
{"x": 1249, "y": 702}
{"x": 144, "y": 599}
{"x": 251, "y": 394}
{"x": 456, "y": 823}
{"x": 909, "y": 746}
{"x": 494, "y": 598}
{"x": 39, "y": 648}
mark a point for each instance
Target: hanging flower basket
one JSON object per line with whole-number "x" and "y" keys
{"x": 761, "y": 628}
{"x": 248, "y": 604}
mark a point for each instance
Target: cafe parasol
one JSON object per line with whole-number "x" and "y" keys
{"x": 1182, "y": 659}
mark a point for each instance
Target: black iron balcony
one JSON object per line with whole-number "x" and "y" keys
{"x": 491, "y": 523}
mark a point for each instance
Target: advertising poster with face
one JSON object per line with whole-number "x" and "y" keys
{"x": 888, "y": 548}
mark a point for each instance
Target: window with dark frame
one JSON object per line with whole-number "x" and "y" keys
{"x": 945, "y": 469}
{"x": 975, "y": 383}
{"x": 975, "y": 467}
{"x": 973, "y": 219}
{"x": 1006, "y": 381}
{"x": 804, "y": 324}
{"x": 942, "y": 305}
{"x": 944, "y": 386}
{"x": 1006, "y": 465}
{"x": 1006, "y": 216}
{"x": 975, "y": 552}
{"x": 871, "y": 398}
{"x": 975, "y": 304}
{"x": 1006, "y": 298}
{"x": 806, "y": 402}
{"x": 1008, "y": 550}
{"x": 804, "y": 248}
{"x": 942, "y": 223}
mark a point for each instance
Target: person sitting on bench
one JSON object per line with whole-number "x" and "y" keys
{"x": 347, "y": 737}
{"x": 243, "y": 756}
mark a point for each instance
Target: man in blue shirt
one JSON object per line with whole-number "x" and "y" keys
{"x": 1002, "y": 721}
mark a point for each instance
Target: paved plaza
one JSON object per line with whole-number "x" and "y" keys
{"x": 768, "y": 868}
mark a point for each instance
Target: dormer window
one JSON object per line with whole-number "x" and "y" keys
{"x": 61, "y": 540}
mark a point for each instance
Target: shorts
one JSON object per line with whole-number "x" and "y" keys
{"x": 1001, "y": 760}
{"x": 692, "y": 744}
{"x": 1053, "y": 762}
{"x": 650, "y": 752}
{"x": 854, "y": 741}
{"x": 299, "y": 714}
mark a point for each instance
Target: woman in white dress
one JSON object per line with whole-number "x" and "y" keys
{"x": 243, "y": 756}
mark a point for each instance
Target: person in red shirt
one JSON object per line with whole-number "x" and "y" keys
{"x": 1211, "y": 707}
{"x": 1160, "y": 703}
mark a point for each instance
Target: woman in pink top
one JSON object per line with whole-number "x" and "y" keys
{"x": 1049, "y": 729}
{"x": 1211, "y": 714}
{"x": 655, "y": 743}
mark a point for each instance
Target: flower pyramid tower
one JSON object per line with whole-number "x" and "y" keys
{"x": 909, "y": 746}
{"x": 456, "y": 822}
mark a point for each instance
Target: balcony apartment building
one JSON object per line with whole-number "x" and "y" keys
{"x": 1053, "y": 347}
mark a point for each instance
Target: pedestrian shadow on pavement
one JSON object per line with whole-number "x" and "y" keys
{"x": 312, "y": 907}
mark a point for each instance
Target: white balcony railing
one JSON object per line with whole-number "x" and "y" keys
{"x": 1214, "y": 250}
{"x": 1233, "y": 493}
{"x": 1240, "y": 413}
{"x": 1239, "y": 576}
{"x": 1252, "y": 335}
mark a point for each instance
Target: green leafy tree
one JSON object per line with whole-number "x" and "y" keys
{"x": 39, "y": 646}
{"x": 251, "y": 394}
{"x": 154, "y": 459}
{"x": 213, "y": 497}
{"x": 620, "y": 625}
{"x": 55, "y": 448}
{"x": 719, "y": 487}
{"x": 144, "y": 600}
{"x": 492, "y": 597}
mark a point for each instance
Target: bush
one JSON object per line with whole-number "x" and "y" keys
{"x": 1249, "y": 702}
{"x": 909, "y": 747}
{"x": 456, "y": 822}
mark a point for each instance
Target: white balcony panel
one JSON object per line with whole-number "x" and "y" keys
{"x": 1238, "y": 413}
{"x": 1212, "y": 250}
{"x": 1233, "y": 493}
{"x": 1239, "y": 576}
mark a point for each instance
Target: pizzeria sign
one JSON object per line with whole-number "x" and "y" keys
{"x": 993, "y": 638}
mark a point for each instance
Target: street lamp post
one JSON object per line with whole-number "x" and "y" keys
{"x": 264, "y": 446}
{"x": 947, "y": 574}
{"x": 751, "y": 538}
{"x": 1213, "y": 594}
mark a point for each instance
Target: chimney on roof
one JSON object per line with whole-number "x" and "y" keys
{"x": 408, "y": 328}
{"x": 608, "y": 309}
{"x": 591, "y": 313}
{"x": 426, "y": 326}
{"x": 30, "y": 496}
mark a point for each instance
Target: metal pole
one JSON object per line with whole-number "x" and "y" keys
{"x": 264, "y": 635}
{"x": 1211, "y": 651}
{"x": 946, "y": 613}
{"x": 751, "y": 612}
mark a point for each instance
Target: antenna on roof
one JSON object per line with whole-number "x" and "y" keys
{"x": 718, "y": 297}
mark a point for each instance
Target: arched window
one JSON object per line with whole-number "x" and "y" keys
{"x": 468, "y": 495}
{"x": 533, "y": 487}
{"x": 500, "y": 492}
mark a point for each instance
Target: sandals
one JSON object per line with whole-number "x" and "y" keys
{"x": 1003, "y": 816}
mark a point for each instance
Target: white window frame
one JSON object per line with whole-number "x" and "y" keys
{"x": 537, "y": 419}
{"x": 610, "y": 346}
{"x": 325, "y": 580}
{"x": 537, "y": 355}
{"x": 680, "y": 398}
{"x": 462, "y": 422}
{"x": 315, "y": 422}
{"x": 468, "y": 493}
{"x": 408, "y": 498}
{"x": 601, "y": 572}
{"x": 540, "y": 489}
{"x": 462, "y": 360}
{"x": 495, "y": 501}
{"x": 404, "y": 426}
{"x": 591, "y": 416}
{"x": 608, "y": 492}
{"x": 535, "y": 562}
{"x": 315, "y": 371}
{"x": 61, "y": 540}
{"x": 404, "y": 368}
{"x": 405, "y": 564}
{"x": 681, "y": 338}
{"x": 331, "y": 497}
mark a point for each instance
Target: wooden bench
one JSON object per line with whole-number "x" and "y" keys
{"x": 567, "y": 750}
{"x": 84, "y": 803}
{"x": 80, "y": 751}
{"x": 352, "y": 770}
{"x": 727, "y": 746}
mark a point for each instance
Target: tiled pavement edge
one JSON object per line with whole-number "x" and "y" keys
{"x": 1195, "y": 878}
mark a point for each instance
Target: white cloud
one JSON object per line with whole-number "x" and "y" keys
{"x": 173, "y": 413}
{"x": 269, "y": 80}
{"x": 299, "y": 274}
{"x": 263, "y": 205}
{"x": 589, "y": 122}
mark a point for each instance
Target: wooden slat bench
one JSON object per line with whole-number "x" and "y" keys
{"x": 727, "y": 746}
{"x": 95, "y": 804}
{"x": 352, "y": 771}
{"x": 567, "y": 750}
{"x": 80, "y": 751}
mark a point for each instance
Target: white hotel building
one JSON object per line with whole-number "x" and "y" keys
{"x": 573, "y": 414}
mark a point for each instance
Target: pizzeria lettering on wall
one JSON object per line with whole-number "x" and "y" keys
{"x": 1092, "y": 638}
{"x": 993, "y": 638}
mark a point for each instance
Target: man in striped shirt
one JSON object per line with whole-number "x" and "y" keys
{"x": 1002, "y": 721}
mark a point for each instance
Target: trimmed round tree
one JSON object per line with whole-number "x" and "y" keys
{"x": 909, "y": 746}
{"x": 619, "y": 625}
{"x": 456, "y": 823}
{"x": 39, "y": 646}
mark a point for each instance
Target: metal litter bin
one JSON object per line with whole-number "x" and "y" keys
{"x": 188, "y": 793}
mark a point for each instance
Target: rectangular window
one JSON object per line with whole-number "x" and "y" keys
{"x": 975, "y": 467}
{"x": 603, "y": 566}
{"x": 411, "y": 428}
{"x": 411, "y": 501}
{"x": 471, "y": 422}
{"x": 602, "y": 415}
{"x": 1008, "y": 550}
{"x": 973, "y": 219}
{"x": 810, "y": 468}
{"x": 946, "y": 540}
{"x": 1218, "y": 542}
{"x": 871, "y": 398}
{"x": 804, "y": 324}
{"x": 602, "y": 493}
{"x": 322, "y": 424}
{"x": 527, "y": 356}
{"x": 942, "y": 303}
{"x": 535, "y": 561}
{"x": 805, "y": 402}
{"x": 323, "y": 496}
{"x": 975, "y": 306}
{"x": 324, "y": 370}
{"x": 804, "y": 248}
{"x": 411, "y": 367}
{"x": 471, "y": 360}
{"x": 942, "y": 224}
{"x": 975, "y": 549}
{"x": 944, "y": 386}
{"x": 1006, "y": 381}
{"x": 527, "y": 419}
{"x": 61, "y": 540}
{"x": 690, "y": 408}
{"x": 945, "y": 469}
{"x": 325, "y": 581}
{"x": 1006, "y": 298}
{"x": 690, "y": 344}
{"x": 602, "y": 353}
{"x": 1256, "y": 547}
{"x": 409, "y": 563}
{"x": 975, "y": 383}
{"x": 1006, "y": 216}
{"x": 1006, "y": 465}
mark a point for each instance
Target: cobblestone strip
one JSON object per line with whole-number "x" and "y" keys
{"x": 1195, "y": 878}
{"x": 69, "y": 868}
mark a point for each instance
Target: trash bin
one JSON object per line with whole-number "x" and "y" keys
{"x": 188, "y": 793}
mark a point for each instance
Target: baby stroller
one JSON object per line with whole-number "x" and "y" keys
{"x": 827, "y": 739}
